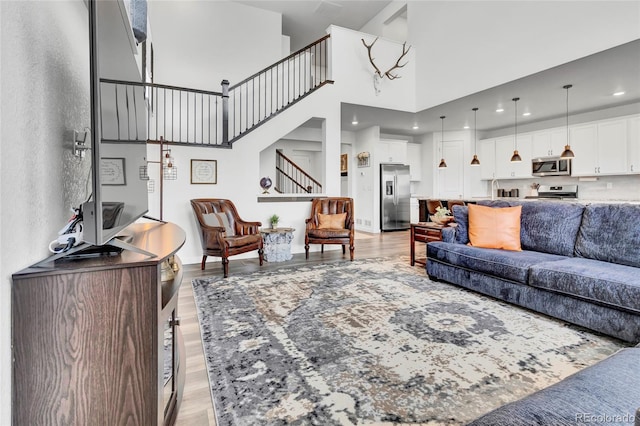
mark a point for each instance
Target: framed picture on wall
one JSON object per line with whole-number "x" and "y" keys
{"x": 344, "y": 164}
{"x": 204, "y": 171}
{"x": 112, "y": 171}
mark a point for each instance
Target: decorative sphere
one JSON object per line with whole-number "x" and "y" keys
{"x": 265, "y": 183}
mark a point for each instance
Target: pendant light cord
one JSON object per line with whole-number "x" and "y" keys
{"x": 475, "y": 131}
{"x": 567, "y": 87}
{"x": 515, "y": 137}
{"x": 442, "y": 136}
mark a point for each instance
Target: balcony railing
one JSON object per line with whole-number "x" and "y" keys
{"x": 149, "y": 111}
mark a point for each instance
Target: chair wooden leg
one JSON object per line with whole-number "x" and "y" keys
{"x": 321, "y": 248}
{"x": 260, "y": 255}
{"x": 204, "y": 259}
{"x": 225, "y": 266}
{"x": 306, "y": 251}
{"x": 344, "y": 248}
{"x": 351, "y": 250}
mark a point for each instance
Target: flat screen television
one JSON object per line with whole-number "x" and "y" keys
{"x": 118, "y": 128}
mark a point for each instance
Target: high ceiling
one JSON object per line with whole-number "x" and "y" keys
{"x": 594, "y": 78}
{"x": 306, "y": 21}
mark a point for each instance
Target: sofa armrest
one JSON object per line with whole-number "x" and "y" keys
{"x": 449, "y": 235}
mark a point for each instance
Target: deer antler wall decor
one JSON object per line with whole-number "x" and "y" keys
{"x": 387, "y": 73}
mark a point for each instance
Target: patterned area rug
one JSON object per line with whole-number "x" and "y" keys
{"x": 374, "y": 341}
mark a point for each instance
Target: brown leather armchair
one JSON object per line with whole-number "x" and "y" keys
{"x": 432, "y": 206}
{"x": 317, "y": 233}
{"x": 223, "y": 233}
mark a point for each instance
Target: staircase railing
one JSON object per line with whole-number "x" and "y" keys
{"x": 291, "y": 179}
{"x": 262, "y": 96}
{"x": 146, "y": 111}
{"x": 139, "y": 111}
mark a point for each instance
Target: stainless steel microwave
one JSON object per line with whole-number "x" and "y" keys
{"x": 551, "y": 166}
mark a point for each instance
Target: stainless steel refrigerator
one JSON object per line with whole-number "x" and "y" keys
{"x": 395, "y": 210}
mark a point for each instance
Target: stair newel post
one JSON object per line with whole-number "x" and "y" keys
{"x": 225, "y": 111}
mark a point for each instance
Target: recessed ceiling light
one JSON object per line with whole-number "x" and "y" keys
{"x": 415, "y": 127}
{"x": 526, "y": 114}
{"x": 619, "y": 93}
{"x": 500, "y": 110}
{"x": 354, "y": 122}
{"x": 466, "y": 127}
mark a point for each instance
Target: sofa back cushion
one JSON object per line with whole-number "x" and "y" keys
{"x": 610, "y": 232}
{"x": 550, "y": 226}
{"x": 461, "y": 217}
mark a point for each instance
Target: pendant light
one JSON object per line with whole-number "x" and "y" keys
{"x": 443, "y": 164}
{"x": 475, "y": 161}
{"x": 567, "y": 153}
{"x": 515, "y": 158}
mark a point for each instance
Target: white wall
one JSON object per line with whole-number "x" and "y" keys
{"x": 197, "y": 44}
{"x": 353, "y": 73}
{"x": 378, "y": 24}
{"x": 367, "y": 218}
{"x": 45, "y": 95}
{"x": 468, "y": 46}
{"x": 239, "y": 174}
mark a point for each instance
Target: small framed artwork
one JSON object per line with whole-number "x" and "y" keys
{"x": 112, "y": 171}
{"x": 204, "y": 171}
{"x": 344, "y": 165}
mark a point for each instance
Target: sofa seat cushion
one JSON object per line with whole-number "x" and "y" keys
{"x": 328, "y": 233}
{"x": 610, "y": 232}
{"x": 606, "y": 390}
{"x": 509, "y": 265}
{"x": 243, "y": 240}
{"x": 593, "y": 280}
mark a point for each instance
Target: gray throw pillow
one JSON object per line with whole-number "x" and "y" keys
{"x": 219, "y": 219}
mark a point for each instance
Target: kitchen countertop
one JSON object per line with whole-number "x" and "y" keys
{"x": 570, "y": 200}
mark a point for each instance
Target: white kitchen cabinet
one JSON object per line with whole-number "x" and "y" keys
{"x": 414, "y": 154}
{"x": 392, "y": 151}
{"x": 548, "y": 143}
{"x": 600, "y": 148}
{"x": 612, "y": 147}
{"x": 584, "y": 144}
{"x": 633, "y": 145}
{"x": 505, "y": 169}
{"x": 487, "y": 157}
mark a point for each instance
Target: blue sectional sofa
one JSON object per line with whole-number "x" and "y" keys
{"x": 579, "y": 263}
{"x": 605, "y": 393}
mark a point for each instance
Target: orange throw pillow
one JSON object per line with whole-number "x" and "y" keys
{"x": 495, "y": 227}
{"x": 331, "y": 221}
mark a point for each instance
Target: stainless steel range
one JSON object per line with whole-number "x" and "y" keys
{"x": 558, "y": 192}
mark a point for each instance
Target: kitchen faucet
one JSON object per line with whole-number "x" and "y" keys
{"x": 497, "y": 187}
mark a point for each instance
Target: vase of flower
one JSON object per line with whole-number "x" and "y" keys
{"x": 442, "y": 216}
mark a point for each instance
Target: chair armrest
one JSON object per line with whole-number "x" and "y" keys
{"x": 247, "y": 228}
{"x": 309, "y": 224}
{"x": 213, "y": 236}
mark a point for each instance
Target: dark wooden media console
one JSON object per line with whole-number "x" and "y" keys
{"x": 96, "y": 340}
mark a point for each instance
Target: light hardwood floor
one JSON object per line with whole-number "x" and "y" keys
{"x": 197, "y": 408}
